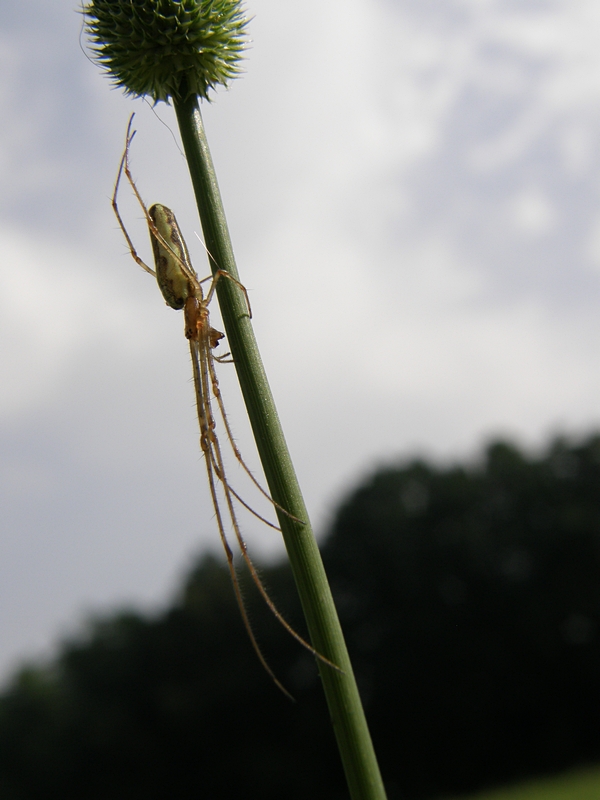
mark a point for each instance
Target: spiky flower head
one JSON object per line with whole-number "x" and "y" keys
{"x": 167, "y": 48}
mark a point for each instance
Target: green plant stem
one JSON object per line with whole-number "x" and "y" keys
{"x": 350, "y": 726}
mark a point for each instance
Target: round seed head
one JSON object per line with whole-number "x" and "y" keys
{"x": 167, "y": 48}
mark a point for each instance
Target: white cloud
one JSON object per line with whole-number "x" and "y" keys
{"x": 411, "y": 190}
{"x": 532, "y": 212}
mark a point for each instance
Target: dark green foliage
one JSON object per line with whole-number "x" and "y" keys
{"x": 172, "y": 707}
{"x": 471, "y": 602}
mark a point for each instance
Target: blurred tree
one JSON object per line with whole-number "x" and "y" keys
{"x": 471, "y": 601}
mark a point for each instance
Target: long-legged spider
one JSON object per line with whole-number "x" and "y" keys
{"x": 182, "y": 289}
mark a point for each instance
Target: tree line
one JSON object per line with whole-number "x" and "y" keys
{"x": 470, "y": 598}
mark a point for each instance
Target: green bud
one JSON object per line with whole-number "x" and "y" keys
{"x": 167, "y": 48}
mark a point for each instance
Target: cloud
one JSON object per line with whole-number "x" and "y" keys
{"x": 411, "y": 190}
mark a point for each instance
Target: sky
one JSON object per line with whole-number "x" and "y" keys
{"x": 413, "y": 193}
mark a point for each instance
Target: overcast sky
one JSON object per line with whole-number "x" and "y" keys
{"x": 413, "y": 193}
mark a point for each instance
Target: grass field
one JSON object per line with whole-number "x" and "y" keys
{"x": 580, "y": 785}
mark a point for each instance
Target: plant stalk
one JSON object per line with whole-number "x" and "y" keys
{"x": 347, "y": 715}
